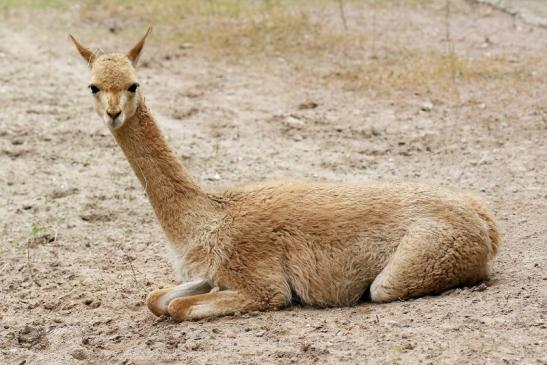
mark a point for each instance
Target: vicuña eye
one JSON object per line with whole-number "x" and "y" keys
{"x": 94, "y": 89}
{"x": 133, "y": 87}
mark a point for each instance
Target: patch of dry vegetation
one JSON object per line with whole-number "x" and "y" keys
{"x": 232, "y": 28}
{"x": 316, "y": 40}
{"x": 428, "y": 72}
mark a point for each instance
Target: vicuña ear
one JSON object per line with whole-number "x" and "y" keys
{"x": 135, "y": 52}
{"x": 86, "y": 53}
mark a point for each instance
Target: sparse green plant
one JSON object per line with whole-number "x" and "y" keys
{"x": 17, "y": 245}
{"x": 216, "y": 147}
{"x": 82, "y": 281}
{"x": 37, "y": 228}
{"x": 6, "y": 5}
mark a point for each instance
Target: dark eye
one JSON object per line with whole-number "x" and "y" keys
{"x": 94, "y": 89}
{"x": 133, "y": 87}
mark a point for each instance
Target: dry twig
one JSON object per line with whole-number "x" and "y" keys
{"x": 30, "y": 265}
{"x": 343, "y": 14}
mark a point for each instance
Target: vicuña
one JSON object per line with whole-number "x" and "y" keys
{"x": 265, "y": 246}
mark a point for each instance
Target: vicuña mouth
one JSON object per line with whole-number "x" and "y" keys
{"x": 114, "y": 123}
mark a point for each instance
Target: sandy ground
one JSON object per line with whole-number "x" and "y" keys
{"x": 80, "y": 246}
{"x": 533, "y": 11}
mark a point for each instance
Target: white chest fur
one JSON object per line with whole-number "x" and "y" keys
{"x": 176, "y": 258}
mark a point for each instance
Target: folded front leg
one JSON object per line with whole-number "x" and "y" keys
{"x": 158, "y": 300}
{"x": 216, "y": 304}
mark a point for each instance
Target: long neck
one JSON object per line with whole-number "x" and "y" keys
{"x": 173, "y": 194}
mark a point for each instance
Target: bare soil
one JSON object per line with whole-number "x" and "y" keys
{"x": 80, "y": 246}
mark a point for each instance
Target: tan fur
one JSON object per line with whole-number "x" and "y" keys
{"x": 263, "y": 247}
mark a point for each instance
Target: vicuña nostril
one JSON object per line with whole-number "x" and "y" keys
{"x": 114, "y": 115}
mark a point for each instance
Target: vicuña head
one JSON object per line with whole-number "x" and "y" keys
{"x": 113, "y": 83}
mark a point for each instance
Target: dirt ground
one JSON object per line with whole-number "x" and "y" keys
{"x": 80, "y": 246}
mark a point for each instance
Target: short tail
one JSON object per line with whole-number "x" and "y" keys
{"x": 487, "y": 217}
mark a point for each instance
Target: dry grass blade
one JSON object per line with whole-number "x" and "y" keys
{"x": 343, "y": 14}
{"x": 129, "y": 260}
{"x": 29, "y": 265}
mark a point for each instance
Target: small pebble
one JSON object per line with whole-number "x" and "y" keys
{"x": 79, "y": 354}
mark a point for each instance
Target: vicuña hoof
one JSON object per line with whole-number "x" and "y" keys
{"x": 153, "y": 301}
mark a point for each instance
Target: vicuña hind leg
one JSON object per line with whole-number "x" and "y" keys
{"x": 431, "y": 258}
{"x": 158, "y": 300}
{"x": 213, "y": 304}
